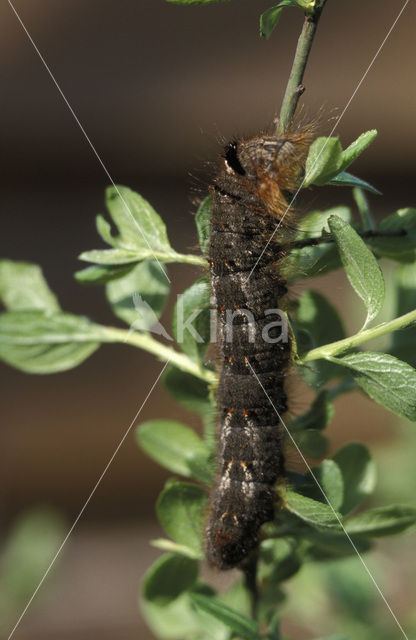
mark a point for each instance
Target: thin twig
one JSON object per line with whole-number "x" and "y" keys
{"x": 250, "y": 574}
{"x": 340, "y": 346}
{"x": 327, "y": 238}
{"x": 295, "y": 88}
{"x": 145, "y": 341}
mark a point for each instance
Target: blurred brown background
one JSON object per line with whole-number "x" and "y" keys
{"x": 154, "y": 85}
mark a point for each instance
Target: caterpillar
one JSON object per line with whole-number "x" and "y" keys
{"x": 251, "y": 192}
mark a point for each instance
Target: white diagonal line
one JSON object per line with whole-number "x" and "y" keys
{"x": 332, "y": 131}
{"x": 330, "y": 505}
{"x": 86, "y": 503}
{"x": 86, "y": 136}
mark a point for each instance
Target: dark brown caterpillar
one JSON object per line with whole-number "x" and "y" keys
{"x": 250, "y": 197}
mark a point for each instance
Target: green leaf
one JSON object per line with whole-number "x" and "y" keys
{"x": 318, "y": 318}
{"x": 389, "y": 381}
{"x": 46, "y": 342}
{"x": 141, "y": 235}
{"x": 121, "y": 256}
{"x": 355, "y": 149}
{"x": 139, "y": 297}
{"x": 169, "y": 545}
{"x": 403, "y": 344}
{"x": 179, "y": 620}
{"x": 176, "y": 447}
{"x": 324, "y": 161}
{"x": 382, "y": 521}
{"x": 401, "y": 248}
{"x": 312, "y": 512}
{"x": 238, "y": 597}
{"x": 330, "y": 478}
{"x": 279, "y": 560}
{"x": 104, "y": 230}
{"x": 203, "y": 223}
{"x": 315, "y": 223}
{"x": 345, "y": 179}
{"x": 322, "y": 258}
{"x": 270, "y": 17}
{"x": 181, "y": 509}
{"x": 191, "y": 320}
{"x": 312, "y": 443}
{"x": 23, "y": 287}
{"x": 333, "y": 546}
{"x": 318, "y": 416}
{"x": 309, "y": 5}
{"x": 34, "y": 538}
{"x": 114, "y": 257}
{"x": 168, "y": 577}
{"x": 240, "y": 625}
{"x": 141, "y": 232}
{"x": 193, "y": 393}
{"x": 359, "y": 474}
{"x": 101, "y": 274}
{"x": 362, "y": 268}
{"x": 137, "y": 222}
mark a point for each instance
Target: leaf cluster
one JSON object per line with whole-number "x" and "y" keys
{"x": 323, "y": 509}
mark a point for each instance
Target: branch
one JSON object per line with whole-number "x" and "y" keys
{"x": 327, "y": 238}
{"x": 295, "y": 88}
{"x": 148, "y": 343}
{"x": 250, "y": 578}
{"x": 335, "y": 348}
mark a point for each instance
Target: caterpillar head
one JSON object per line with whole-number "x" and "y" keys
{"x": 271, "y": 167}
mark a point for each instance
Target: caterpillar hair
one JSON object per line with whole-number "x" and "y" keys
{"x": 251, "y": 195}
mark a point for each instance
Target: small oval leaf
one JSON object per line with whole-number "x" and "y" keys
{"x": 358, "y": 472}
{"x": 312, "y": 443}
{"x": 363, "y": 270}
{"x": 382, "y": 521}
{"x": 239, "y": 624}
{"x": 311, "y": 511}
{"x": 318, "y": 416}
{"x": 345, "y": 179}
{"x": 270, "y": 17}
{"x": 46, "y": 342}
{"x": 356, "y": 148}
{"x": 168, "y": 577}
{"x": 139, "y": 297}
{"x": 174, "y": 446}
{"x": 191, "y": 320}
{"x": 319, "y": 318}
{"x": 329, "y": 476}
{"x": 193, "y": 393}
{"x": 181, "y": 509}
{"x": 323, "y": 162}
{"x": 23, "y": 287}
{"x": 389, "y": 381}
{"x": 202, "y": 221}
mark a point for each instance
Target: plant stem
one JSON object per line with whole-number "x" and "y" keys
{"x": 250, "y": 575}
{"x": 327, "y": 238}
{"x": 295, "y": 87}
{"x": 335, "y": 348}
{"x": 190, "y": 258}
{"x": 148, "y": 343}
{"x": 163, "y": 256}
{"x": 180, "y": 360}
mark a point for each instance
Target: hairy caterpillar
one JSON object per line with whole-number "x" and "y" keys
{"x": 250, "y": 197}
